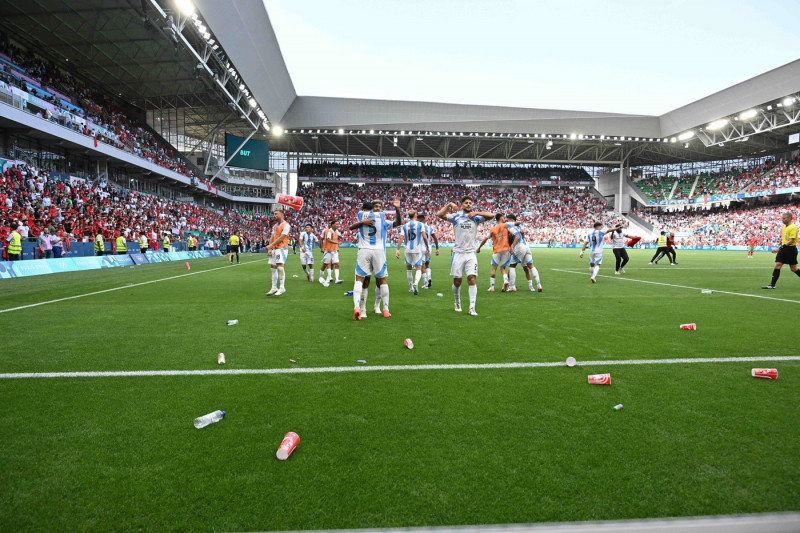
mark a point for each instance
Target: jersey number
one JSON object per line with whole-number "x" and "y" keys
{"x": 412, "y": 235}
{"x": 372, "y": 231}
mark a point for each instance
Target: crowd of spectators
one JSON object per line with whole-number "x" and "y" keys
{"x": 557, "y": 215}
{"x": 757, "y": 178}
{"x": 725, "y": 225}
{"x": 84, "y": 110}
{"x": 80, "y": 209}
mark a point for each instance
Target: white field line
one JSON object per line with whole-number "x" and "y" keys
{"x": 130, "y": 286}
{"x": 622, "y": 278}
{"x": 391, "y": 368}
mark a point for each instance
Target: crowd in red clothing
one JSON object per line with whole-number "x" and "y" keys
{"x": 79, "y": 210}
{"x": 552, "y": 214}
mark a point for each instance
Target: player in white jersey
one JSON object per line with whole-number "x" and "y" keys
{"x": 373, "y": 229}
{"x": 521, "y": 255}
{"x": 426, "y": 265}
{"x": 414, "y": 234}
{"x": 307, "y": 240}
{"x": 465, "y": 227}
{"x": 594, "y": 241}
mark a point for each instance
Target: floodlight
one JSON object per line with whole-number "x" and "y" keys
{"x": 371, "y": 132}
{"x": 573, "y": 136}
{"x": 266, "y": 126}
{"x": 673, "y": 139}
{"x": 277, "y": 130}
{"x": 746, "y": 115}
{"x": 341, "y": 131}
{"x": 788, "y": 101}
{"x": 717, "y": 124}
{"x": 686, "y": 135}
{"x": 186, "y": 7}
{"x": 252, "y": 102}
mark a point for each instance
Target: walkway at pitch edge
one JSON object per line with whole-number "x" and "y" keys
{"x": 391, "y": 368}
{"x": 623, "y": 278}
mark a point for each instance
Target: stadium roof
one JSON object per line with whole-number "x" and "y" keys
{"x": 131, "y": 48}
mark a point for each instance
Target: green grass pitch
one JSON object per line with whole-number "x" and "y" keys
{"x": 397, "y": 448}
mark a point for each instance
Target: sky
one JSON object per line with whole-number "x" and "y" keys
{"x": 617, "y": 56}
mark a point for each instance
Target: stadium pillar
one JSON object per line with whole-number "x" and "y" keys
{"x": 621, "y": 183}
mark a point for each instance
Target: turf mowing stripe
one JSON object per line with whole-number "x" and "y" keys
{"x": 335, "y": 369}
{"x": 680, "y": 286}
{"x": 119, "y": 288}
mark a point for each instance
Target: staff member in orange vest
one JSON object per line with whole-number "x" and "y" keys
{"x": 278, "y": 248}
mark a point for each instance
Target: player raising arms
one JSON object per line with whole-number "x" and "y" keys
{"x": 416, "y": 239}
{"x": 501, "y": 250}
{"x": 521, "y": 254}
{"x": 426, "y": 265}
{"x": 465, "y": 227}
{"x": 331, "y": 238}
{"x": 307, "y": 240}
{"x": 373, "y": 229}
{"x": 278, "y": 248}
{"x": 595, "y": 242}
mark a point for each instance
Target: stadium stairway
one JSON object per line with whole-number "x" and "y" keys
{"x": 639, "y": 226}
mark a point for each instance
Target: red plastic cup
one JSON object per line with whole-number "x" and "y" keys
{"x": 690, "y": 327}
{"x": 290, "y": 442}
{"x": 600, "y": 379}
{"x": 295, "y": 202}
{"x": 409, "y": 344}
{"x": 766, "y": 373}
{"x": 187, "y": 266}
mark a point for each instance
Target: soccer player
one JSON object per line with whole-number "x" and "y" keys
{"x": 307, "y": 240}
{"x": 233, "y": 247}
{"x": 521, "y": 254}
{"x": 751, "y": 246}
{"x": 465, "y": 227}
{"x": 501, "y": 251}
{"x": 787, "y": 253}
{"x": 414, "y": 235}
{"x": 595, "y": 242}
{"x": 331, "y": 238}
{"x": 373, "y": 229}
{"x": 278, "y": 248}
{"x": 426, "y": 265}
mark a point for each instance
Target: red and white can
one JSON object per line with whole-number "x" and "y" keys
{"x": 290, "y": 442}
{"x": 690, "y": 327}
{"x": 600, "y": 379}
{"x": 766, "y": 373}
{"x": 221, "y": 359}
{"x": 187, "y": 266}
{"x": 409, "y": 344}
{"x": 295, "y": 202}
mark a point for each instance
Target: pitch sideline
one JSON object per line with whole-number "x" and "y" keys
{"x": 21, "y": 307}
{"x": 390, "y": 368}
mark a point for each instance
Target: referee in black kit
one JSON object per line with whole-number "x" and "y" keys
{"x": 620, "y": 253}
{"x": 787, "y": 253}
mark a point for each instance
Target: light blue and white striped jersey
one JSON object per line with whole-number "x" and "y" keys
{"x": 595, "y": 240}
{"x": 373, "y": 237}
{"x": 465, "y": 230}
{"x": 413, "y": 232}
{"x": 307, "y": 241}
{"x": 514, "y": 230}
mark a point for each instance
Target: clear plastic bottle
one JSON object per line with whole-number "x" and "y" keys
{"x": 618, "y": 407}
{"x": 210, "y": 418}
{"x": 231, "y": 322}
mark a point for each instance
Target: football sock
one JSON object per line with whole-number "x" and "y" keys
{"x": 417, "y": 276}
{"x": 385, "y": 295}
{"x": 377, "y": 298}
{"x": 457, "y": 295}
{"x": 410, "y": 277}
{"x": 282, "y": 276}
{"x": 491, "y": 281}
{"x": 775, "y": 275}
{"x": 473, "y": 295}
{"x": 512, "y": 277}
{"x": 337, "y": 275}
{"x": 357, "y": 288}
{"x": 535, "y": 274}
{"x": 505, "y": 279}
{"x": 274, "y": 278}
{"x": 530, "y": 283}
{"x": 364, "y": 298}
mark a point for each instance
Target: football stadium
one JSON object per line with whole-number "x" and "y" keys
{"x": 239, "y": 294}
